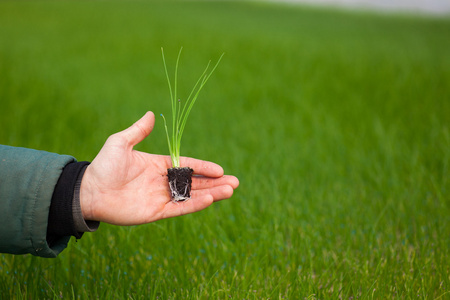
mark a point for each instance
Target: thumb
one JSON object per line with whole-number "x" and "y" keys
{"x": 139, "y": 130}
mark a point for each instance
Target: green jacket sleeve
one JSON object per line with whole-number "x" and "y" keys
{"x": 27, "y": 181}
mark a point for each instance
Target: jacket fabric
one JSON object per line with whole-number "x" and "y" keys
{"x": 27, "y": 181}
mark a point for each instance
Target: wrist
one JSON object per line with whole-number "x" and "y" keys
{"x": 80, "y": 223}
{"x": 86, "y": 196}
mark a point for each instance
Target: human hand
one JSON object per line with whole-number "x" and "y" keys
{"x": 123, "y": 186}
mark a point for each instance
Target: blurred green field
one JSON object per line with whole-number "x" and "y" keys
{"x": 336, "y": 123}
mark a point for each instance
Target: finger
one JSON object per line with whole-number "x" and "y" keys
{"x": 174, "y": 209}
{"x": 218, "y": 193}
{"x": 201, "y": 182}
{"x": 202, "y": 167}
{"x": 139, "y": 130}
{"x": 200, "y": 200}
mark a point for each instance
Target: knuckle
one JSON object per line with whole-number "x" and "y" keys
{"x": 142, "y": 130}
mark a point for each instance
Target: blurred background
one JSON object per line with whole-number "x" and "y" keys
{"x": 335, "y": 121}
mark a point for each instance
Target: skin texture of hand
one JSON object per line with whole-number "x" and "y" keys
{"x": 123, "y": 186}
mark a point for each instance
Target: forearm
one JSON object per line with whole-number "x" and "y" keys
{"x": 40, "y": 208}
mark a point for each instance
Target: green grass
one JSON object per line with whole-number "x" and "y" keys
{"x": 337, "y": 125}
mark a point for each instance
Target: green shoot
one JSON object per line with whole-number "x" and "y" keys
{"x": 181, "y": 111}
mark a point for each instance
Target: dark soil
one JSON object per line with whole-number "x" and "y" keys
{"x": 180, "y": 181}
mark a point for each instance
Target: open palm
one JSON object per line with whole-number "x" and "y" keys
{"x": 123, "y": 186}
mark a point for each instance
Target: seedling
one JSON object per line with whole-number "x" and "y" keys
{"x": 180, "y": 179}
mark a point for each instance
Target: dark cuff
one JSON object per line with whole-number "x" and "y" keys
{"x": 80, "y": 224}
{"x": 60, "y": 218}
